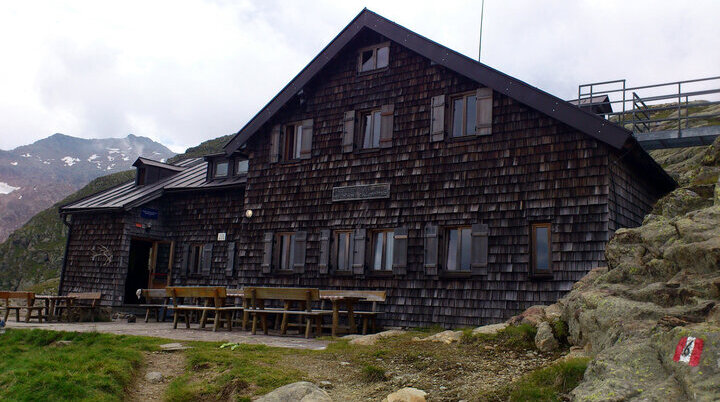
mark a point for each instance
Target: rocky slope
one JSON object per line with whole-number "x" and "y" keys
{"x": 31, "y": 257}
{"x": 651, "y": 319}
{"x": 35, "y": 176}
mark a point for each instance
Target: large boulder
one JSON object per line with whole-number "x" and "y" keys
{"x": 533, "y": 316}
{"x": 302, "y": 391}
{"x": 407, "y": 394}
{"x": 544, "y": 339}
{"x": 367, "y": 340}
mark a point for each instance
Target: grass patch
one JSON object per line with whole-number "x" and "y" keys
{"x": 98, "y": 367}
{"x": 225, "y": 374}
{"x": 372, "y": 373}
{"x": 548, "y": 384}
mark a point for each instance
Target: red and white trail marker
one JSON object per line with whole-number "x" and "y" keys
{"x": 688, "y": 350}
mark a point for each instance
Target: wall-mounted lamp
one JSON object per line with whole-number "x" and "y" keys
{"x": 248, "y": 213}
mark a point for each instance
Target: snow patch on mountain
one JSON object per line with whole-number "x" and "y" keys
{"x": 26, "y": 155}
{"x": 6, "y": 188}
{"x": 69, "y": 160}
{"x": 93, "y": 157}
{"x": 13, "y": 163}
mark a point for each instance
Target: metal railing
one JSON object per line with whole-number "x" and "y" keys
{"x": 658, "y": 107}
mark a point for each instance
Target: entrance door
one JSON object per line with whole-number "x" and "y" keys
{"x": 160, "y": 264}
{"x": 149, "y": 266}
{"x": 138, "y": 268}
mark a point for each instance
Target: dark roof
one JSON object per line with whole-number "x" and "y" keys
{"x": 192, "y": 176}
{"x": 599, "y": 104}
{"x": 561, "y": 110}
{"x": 149, "y": 162}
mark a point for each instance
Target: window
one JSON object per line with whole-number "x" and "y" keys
{"x": 342, "y": 244}
{"x": 141, "y": 176}
{"x": 541, "y": 249}
{"x": 221, "y": 169}
{"x": 195, "y": 258}
{"x": 382, "y": 253}
{"x": 374, "y": 57}
{"x": 292, "y": 141}
{"x": 241, "y": 166}
{"x": 285, "y": 243}
{"x": 370, "y": 129}
{"x": 464, "y": 109}
{"x": 459, "y": 243}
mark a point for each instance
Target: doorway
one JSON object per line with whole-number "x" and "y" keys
{"x": 149, "y": 266}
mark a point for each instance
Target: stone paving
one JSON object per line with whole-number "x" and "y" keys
{"x": 165, "y": 330}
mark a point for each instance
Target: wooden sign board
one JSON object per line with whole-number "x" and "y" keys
{"x": 361, "y": 192}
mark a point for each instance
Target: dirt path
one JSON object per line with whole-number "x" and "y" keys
{"x": 169, "y": 364}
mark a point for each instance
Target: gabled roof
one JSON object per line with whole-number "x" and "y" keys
{"x": 162, "y": 165}
{"x": 191, "y": 176}
{"x": 584, "y": 121}
{"x": 552, "y": 106}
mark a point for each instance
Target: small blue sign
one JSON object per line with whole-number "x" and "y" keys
{"x": 149, "y": 213}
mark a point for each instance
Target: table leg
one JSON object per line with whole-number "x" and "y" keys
{"x": 351, "y": 316}
{"x": 335, "y": 317}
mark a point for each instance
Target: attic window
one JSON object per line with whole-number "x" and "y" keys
{"x": 241, "y": 167}
{"x": 374, "y": 57}
{"x": 141, "y": 176}
{"x": 221, "y": 169}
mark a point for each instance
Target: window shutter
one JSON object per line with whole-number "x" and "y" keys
{"x": 300, "y": 245}
{"x": 349, "y": 131}
{"x": 185, "y": 260}
{"x": 400, "y": 245}
{"x": 230, "y": 267}
{"x": 386, "y": 125}
{"x": 358, "y": 264}
{"x": 207, "y": 258}
{"x": 479, "y": 249}
{"x": 324, "y": 262}
{"x": 437, "y": 118}
{"x": 306, "y": 140}
{"x": 484, "y": 105}
{"x": 431, "y": 249}
{"x": 275, "y": 144}
{"x": 268, "y": 252}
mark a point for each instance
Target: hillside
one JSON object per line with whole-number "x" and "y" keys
{"x": 35, "y": 176}
{"x": 31, "y": 257}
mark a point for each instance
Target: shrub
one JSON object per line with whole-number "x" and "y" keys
{"x": 549, "y": 383}
{"x": 372, "y": 373}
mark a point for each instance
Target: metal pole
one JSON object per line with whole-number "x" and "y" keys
{"x": 679, "y": 110}
{"x": 482, "y": 12}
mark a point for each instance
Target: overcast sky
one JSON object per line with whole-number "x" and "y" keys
{"x": 181, "y": 72}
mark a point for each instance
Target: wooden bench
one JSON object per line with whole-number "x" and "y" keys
{"x": 372, "y": 296}
{"x": 83, "y": 302}
{"x": 29, "y": 307}
{"x": 255, "y": 298}
{"x": 156, "y": 301}
{"x": 213, "y": 301}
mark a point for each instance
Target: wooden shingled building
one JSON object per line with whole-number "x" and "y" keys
{"x": 390, "y": 162}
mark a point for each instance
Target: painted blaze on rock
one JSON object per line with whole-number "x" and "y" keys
{"x": 688, "y": 350}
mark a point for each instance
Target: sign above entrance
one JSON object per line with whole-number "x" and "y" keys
{"x": 149, "y": 213}
{"x": 361, "y": 192}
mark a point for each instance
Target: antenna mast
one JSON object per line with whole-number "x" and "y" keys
{"x": 482, "y": 12}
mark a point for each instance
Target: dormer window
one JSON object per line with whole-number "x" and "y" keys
{"x": 221, "y": 169}
{"x": 292, "y": 141}
{"x": 141, "y": 176}
{"x": 241, "y": 167}
{"x": 374, "y": 57}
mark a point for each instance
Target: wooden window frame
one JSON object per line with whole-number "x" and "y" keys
{"x": 335, "y": 263}
{"x": 453, "y": 98}
{"x": 533, "y": 250}
{"x": 215, "y": 169}
{"x": 383, "y": 260}
{"x": 374, "y": 49}
{"x": 289, "y": 253}
{"x": 361, "y": 135}
{"x": 141, "y": 176}
{"x": 236, "y": 167}
{"x": 294, "y": 153}
{"x": 196, "y": 259}
{"x": 458, "y": 257}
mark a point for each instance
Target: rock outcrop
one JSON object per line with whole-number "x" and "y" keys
{"x": 302, "y": 391}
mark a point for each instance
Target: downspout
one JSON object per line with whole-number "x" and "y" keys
{"x": 65, "y": 254}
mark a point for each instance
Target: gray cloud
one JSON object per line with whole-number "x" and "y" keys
{"x": 184, "y": 72}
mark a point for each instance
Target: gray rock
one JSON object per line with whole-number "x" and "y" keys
{"x": 367, "y": 340}
{"x": 154, "y": 376}
{"x": 544, "y": 339}
{"x": 172, "y": 347}
{"x": 447, "y": 337}
{"x": 407, "y": 394}
{"x": 302, "y": 391}
{"x": 490, "y": 329}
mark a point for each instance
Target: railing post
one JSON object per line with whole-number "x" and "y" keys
{"x": 679, "y": 109}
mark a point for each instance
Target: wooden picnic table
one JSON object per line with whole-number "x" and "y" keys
{"x": 336, "y": 301}
{"x": 51, "y": 302}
